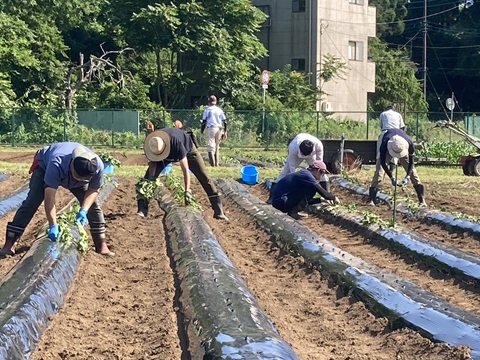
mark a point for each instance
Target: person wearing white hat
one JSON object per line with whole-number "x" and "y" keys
{"x": 170, "y": 145}
{"x": 389, "y": 119}
{"x": 297, "y": 190}
{"x": 396, "y": 144}
{"x": 73, "y": 167}
{"x": 303, "y": 147}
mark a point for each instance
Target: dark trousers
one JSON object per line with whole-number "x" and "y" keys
{"x": 198, "y": 168}
{"x": 293, "y": 202}
{"x": 35, "y": 197}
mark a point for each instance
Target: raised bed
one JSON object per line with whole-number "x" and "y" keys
{"x": 34, "y": 290}
{"x": 386, "y": 294}
{"x": 444, "y": 219}
{"x": 13, "y": 200}
{"x": 222, "y": 318}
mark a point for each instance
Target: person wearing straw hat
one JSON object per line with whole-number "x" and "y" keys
{"x": 214, "y": 120}
{"x": 296, "y": 190}
{"x": 396, "y": 144}
{"x": 170, "y": 145}
{"x": 73, "y": 167}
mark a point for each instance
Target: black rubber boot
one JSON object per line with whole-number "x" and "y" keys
{"x": 372, "y": 195}
{"x": 99, "y": 239}
{"x": 420, "y": 190}
{"x": 217, "y": 207}
{"x": 297, "y": 212}
{"x": 270, "y": 196}
{"x": 211, "y": 158}
{"x": 142, "y": 208}
{"x": 12, "y": 235}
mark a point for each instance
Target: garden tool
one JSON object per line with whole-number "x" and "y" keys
{"x": 395, "y": 162}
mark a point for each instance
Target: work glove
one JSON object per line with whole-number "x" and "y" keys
{"x": 53, "y": 232}
{"x": 336, "y": 201}
{"x": 189, "y": 199}
{"x": 405, "y": 180}
{"x": 82, "y": 217}
{"x": 394, "y": 181}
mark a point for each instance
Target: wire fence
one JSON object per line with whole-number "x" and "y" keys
{"x": 262, "y": 129}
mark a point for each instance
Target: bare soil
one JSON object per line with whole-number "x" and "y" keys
{"x": 126, "y": 307}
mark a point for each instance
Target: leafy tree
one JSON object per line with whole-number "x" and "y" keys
{"x": 395, "y": 79}
{"x": 390, "y": 17}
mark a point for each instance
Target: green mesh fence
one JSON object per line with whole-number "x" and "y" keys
{"x": 262, "y": 129}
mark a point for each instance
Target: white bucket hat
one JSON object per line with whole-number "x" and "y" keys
{"x": 157, "y": 145}
{"x": 397, "y": 147}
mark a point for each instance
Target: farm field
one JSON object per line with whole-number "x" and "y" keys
{"x": 127, "y": 307}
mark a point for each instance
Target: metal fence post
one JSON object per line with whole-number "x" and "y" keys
{"x": 368, "y": 123}
{"x": 417, "y": 126}
{"x": 317, "y": 124}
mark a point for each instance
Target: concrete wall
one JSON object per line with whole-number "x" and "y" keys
{"x": 326, "y": 26}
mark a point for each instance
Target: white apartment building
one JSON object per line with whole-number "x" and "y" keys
{"x": 301, "y": 32}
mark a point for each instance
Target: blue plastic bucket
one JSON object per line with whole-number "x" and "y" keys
{"x": 249, "y": 174}
{"x": 109, "y": 169}
{"x": 167, "y": 169}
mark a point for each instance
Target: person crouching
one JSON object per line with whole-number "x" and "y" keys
{"x": 296, "y": 190}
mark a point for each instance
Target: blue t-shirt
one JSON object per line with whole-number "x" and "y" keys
{"x": 294, "y": 187}
{"x": 55, "y": 160}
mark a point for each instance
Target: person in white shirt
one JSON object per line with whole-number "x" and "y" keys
{"x": 216, "y": 123}
{"x": 303, "y": 147}
{"x": 389, "y": 119}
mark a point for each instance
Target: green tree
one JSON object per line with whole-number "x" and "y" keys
{"x": 395, "y": 79}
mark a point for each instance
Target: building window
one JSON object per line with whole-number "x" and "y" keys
{"x": 298, "y": 6}
{"x": 358, "y": 2}
{"x": 355, "y": 50}
{"x": 266, "y": 10}
{"x": 298, "y": 64}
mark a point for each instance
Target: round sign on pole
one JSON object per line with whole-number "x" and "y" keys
{"x": 450, "y": 104}
{"x": 265, "y": 77}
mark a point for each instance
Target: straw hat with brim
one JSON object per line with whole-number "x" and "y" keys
{"x": 397, "y": 147}
{"x": 157, "y": 145}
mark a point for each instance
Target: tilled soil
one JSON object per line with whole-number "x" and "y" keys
{"x": 126, "y": 307}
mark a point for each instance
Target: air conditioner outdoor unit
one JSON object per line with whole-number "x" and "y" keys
{"x": 327, "y": 106}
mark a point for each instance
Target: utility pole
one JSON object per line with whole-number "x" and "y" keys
{"x": 425, "y": 27}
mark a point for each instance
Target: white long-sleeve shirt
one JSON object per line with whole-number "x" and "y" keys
{"x": 390, "y": 119}
{"x": 294, "y": 153}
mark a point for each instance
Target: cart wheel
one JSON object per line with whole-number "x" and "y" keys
{"x": 470, "y": 164}
{"x": 475, "y": 166}
{"x": 465, "y": 168}
{"x": 351, "y": 161}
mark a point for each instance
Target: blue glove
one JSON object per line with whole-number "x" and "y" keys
{"x": 82, "y": 217}
{"x": 405, "y": 180}
{"x": 53, "y": 232}
{"x": 394, "y": 181}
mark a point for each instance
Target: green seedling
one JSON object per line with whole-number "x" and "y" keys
{"x": 146, "y": 188}
{"x": 65, "y": 222}
{"x": 109, "y": 159}
{"x": 370, "y": 218}
{"x": 174, "y": 184}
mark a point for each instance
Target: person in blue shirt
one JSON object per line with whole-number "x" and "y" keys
{"x": 297, "y": 190}
{"x": 73, "y": 167}
{"x": 396, "y": 144}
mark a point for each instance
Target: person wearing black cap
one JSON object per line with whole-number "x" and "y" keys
{"x": 74, "y": 167}
{"x": 296, "y": 190}
{"x": 303, "y": 147}
{"x": 170, "y": 145}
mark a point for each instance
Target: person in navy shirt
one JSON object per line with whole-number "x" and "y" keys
{"x": 396, "y": 144}
{"x": 73, "y": 167}
{"x": 296, "y": 190}
{"x": 171, "y": 145}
